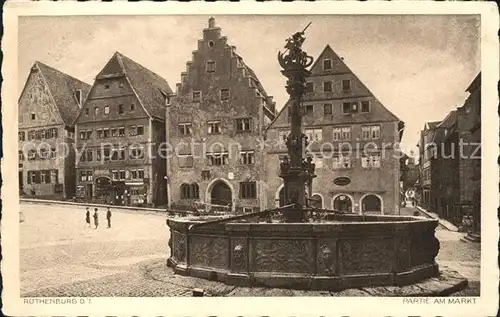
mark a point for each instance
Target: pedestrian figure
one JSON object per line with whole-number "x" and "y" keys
{"x": 108, "y": 216}
{"x": 87, "y": 217}
{"x": 96, "y": 218}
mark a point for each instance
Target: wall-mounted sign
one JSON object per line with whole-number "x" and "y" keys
{"x": 342, "y": 181}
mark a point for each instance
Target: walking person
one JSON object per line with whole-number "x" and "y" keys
{"x": 96, "y": 218}
{"x": 108, "y": 216}
{"x": 87, "y": 217}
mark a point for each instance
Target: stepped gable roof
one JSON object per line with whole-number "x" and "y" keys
{"x": 150, "y": 88}
{"x": 63, "y": 88}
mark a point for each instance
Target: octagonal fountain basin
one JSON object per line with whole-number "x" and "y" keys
{"x": 347, "y": 251}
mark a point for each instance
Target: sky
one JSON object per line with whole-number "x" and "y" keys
{"x": 418, "y": 66}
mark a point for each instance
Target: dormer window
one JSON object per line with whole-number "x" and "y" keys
{"x": 327, "y": 64}
{"x": 365, "y": 106}
{"x": 210, "y": 67}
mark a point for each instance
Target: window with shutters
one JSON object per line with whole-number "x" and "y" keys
{"x": 248, "y": 190}
{"x": 184, "y": 129}
{"x": 247, "y": 157}
{"x": 214, "y": 127}
{"x": 244, "y": 125}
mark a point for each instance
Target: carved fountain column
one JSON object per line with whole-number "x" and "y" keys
{"x": 297, "y": 173}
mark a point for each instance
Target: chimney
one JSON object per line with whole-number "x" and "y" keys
{"x": 211, "y": 23}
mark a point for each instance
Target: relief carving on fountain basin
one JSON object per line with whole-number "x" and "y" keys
{"x": 327, "y": 257}
{"x": 239, "y": 255}
{"x": 374, "y": 255}
{"x": 283, "y": 256}
{"x": 178, "y": 246}
{"x": 209, "y": 251}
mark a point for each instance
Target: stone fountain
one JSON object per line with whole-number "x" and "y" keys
{"x": 298, "y": 246}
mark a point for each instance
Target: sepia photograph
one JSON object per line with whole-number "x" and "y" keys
{"x": 223, "y": 154}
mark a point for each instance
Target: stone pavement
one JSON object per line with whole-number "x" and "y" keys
{"x": 60, "y": 256}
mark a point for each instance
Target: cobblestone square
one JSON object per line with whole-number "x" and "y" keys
{"x": 60, "y": 256}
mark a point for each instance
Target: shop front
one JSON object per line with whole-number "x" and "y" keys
{"x": 136, "y": 193}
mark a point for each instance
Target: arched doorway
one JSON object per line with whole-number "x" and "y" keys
{"x": 342, "y": 203}
{"x": 221, "y": 194}
{"x": 371, "y": 204}
{"x": 316, "y": 201}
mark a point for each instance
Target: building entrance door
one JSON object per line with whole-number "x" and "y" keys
{"x": 221, "y": 194}
{"x": 89, "y": 190}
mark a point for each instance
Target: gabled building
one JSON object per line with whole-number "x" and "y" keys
{"x": 120, "y": 132}
{"x": 426, "y": 153}
{"x": 450, "y": 152}
{"x": 216, "y": 124}
{"x": 48, "y": 106}
{"x": 352, "y": 137}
